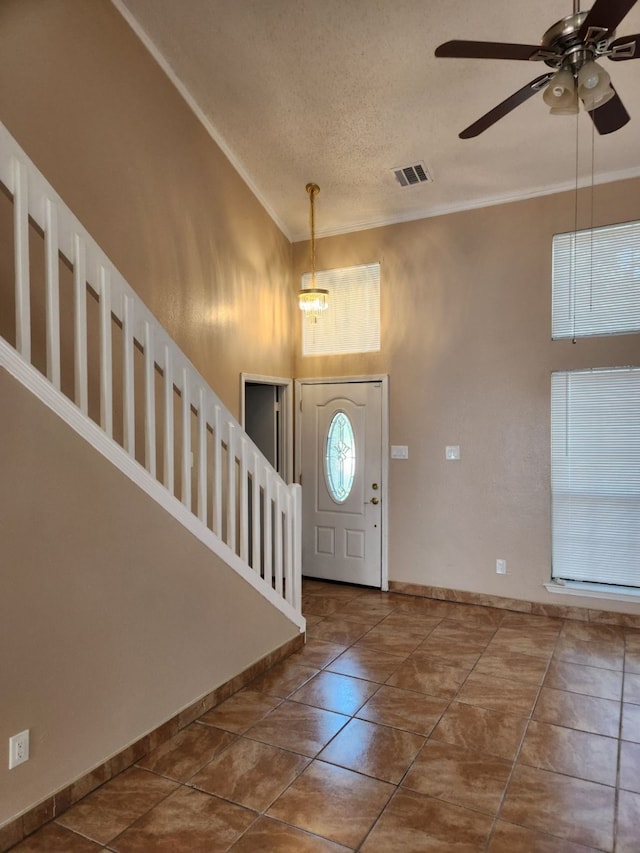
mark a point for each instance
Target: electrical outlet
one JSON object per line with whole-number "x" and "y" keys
{"x": 18, "y": 749}
{"x": 452, "y": 451}
{"x": 501, "y": 567}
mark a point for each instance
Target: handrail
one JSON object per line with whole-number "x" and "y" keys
{"x": 231, "y": 489}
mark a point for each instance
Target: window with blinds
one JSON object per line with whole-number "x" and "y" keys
{"x": 596, "y": 281}
{"x": 351, "y": 323}
{"x": 595, "y": 446}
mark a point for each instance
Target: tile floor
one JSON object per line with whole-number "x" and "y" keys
{"x": 405, "y": 725}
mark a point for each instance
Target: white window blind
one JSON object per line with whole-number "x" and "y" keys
{"x": 596, "y": 281}
{"x": 595, "y": 476}
{"x": 351, "y": 323}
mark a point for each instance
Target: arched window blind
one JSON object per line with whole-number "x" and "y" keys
{"x": 596, "y": 281}
{"x": 351, "y": 323}
{"x": 595, "y": 475}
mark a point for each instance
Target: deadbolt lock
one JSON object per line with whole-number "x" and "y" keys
{"x": 374, "y": 486}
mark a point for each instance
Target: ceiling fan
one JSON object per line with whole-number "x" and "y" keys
{"x": 571, "y": 47}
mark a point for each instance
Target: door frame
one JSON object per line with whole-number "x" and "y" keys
{"x": 286, "y": 410}
{"x": 383, "y": 378}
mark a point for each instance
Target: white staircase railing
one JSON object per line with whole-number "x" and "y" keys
{"x": 101, "y": 348}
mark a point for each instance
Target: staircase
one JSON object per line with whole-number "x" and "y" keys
{"x": 89, "y": 349}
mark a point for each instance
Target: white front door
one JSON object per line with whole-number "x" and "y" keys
{"x": 341, "y": 466}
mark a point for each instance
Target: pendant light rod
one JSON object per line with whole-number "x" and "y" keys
{"x": 313, "y": 190}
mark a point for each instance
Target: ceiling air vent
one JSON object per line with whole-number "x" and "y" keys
{"x": 409, "y": 176}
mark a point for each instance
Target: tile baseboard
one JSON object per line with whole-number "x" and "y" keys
{"x": 19, "y": 828}
{"x": 534, "y": 608}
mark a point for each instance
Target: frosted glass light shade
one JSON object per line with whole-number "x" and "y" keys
{"x": 594, "y": 86}
{"x": 560, "y": 91}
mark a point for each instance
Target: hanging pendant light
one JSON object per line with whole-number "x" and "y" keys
{"x": 313, "y": 300}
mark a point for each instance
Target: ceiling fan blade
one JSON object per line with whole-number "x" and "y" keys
{"x": 487, "y": 50}
{"x": 605, "y": 15}
{"x": 627, "y": 47}
{"x": 610, "y": 116}
{"x": 505, "y": 107}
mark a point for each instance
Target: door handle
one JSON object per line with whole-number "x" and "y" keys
{"x": 374, "y": 501}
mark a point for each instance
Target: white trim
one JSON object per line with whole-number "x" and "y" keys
{"x": 383, "y": 378}
{"x": 594, "y": 590}
{"x": 91, "y": 432}
{"x": 287, "y": 411}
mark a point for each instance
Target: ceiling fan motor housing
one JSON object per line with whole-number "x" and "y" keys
{"x": 562, "y": 46}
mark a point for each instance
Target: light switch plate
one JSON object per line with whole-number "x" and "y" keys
{"x": 399, "y": 451}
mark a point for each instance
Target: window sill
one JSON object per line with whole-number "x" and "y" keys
{"x": 594, "y": 590}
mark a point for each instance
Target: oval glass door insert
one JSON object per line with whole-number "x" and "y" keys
{"x": 340, "y": 457}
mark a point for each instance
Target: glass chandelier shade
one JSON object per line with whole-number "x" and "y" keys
{"x": 313, "y": 301}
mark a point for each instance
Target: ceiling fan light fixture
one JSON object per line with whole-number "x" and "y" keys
{"x": 592, "y": 76}
{"x": 594, "y": 86}
{"x": 560, "y": 91}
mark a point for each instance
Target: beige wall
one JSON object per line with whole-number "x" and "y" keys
{"x": 113, "y": 617}
{"x": 94, "y": 111}
{"x": 466, "y": 318}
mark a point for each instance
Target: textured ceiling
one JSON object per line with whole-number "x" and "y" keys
{"x": 340, "y": 92}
